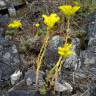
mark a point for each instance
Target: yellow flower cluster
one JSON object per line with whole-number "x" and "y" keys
{"x": 51, "y": 20}
{"x": 37, "y": 25}
{"x": 69, "y": 10}
{"x": 65, "y": 51}
{"x": 15, "y": 24}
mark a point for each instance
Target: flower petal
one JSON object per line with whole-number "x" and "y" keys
{"x": 75, "y": 9}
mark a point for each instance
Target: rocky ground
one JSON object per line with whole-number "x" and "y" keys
{"x": 19, "y": 51}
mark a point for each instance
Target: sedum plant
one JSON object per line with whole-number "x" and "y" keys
{"x": 37, "y": 25}
{"x": 65, "y": 51}
{"x": 69, "y": 10}
{"x": 49, "y": 22}
{"x": 15, "y": 24}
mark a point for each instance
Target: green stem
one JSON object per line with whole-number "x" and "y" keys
{"x": 57, "y": 67}
{"x": 68, "y": 29}
{"x": 40, "y": 56}
{"x": 36, "y": 34}
{"x": 44, "y": 44}
{"x": 54, "y": 69}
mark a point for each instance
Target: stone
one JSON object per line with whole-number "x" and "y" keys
{"x": 92, "y": 89}
{"x": 15, "y": 77}
{"x": 88, "y": 58}
{"x": 63, "y": 87}
{"x": 12, "y": 11}
{"x": 4, "y": 20}
{"x": 2, "y": 31}
{"x": 30, "y": 78}
{"x": 51, "y": 55}
{"x": 91, "y": 26}
{"x": 9, "y": 61}
{"x": 92, "y": 42}
{"x": 6, "y": 3}
{"x": 92, "y": 45}
{"x": 20, "y": 93}
{"x": 71, "y": 62}
{"x": 88, "y": 61}
{"x": 3, "y": 93}
{"x": 21, "y": 89}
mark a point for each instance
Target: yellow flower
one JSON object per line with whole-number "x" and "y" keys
{"x": 69, "y": 10}
{"x": 51, "y": 20}
{"x": 37, "y": 25}
{"x": 15, "y": 24}
{"x": 65, "y": 51}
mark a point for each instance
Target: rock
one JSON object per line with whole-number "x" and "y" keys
{"x": 20, "y": 93}
{"x": 4, "y": 20}
{"x": 15, "y": 77}
{"x": 9, "y": 60}
{"x": 63, "y": 87}
{"x": 92, "y": 45}
{"x": 30, "y": 78}
{"x": 80, "y": 75}
{"x": 71, "y": 62}
{"x": 91, "y": 26}
{"x": 51, "y": 55}
{"x": 21, "y": 89}
{"x": 88, "y": 60}
{"x": 12, "y": 11}
{"x": 88, "y": 63}
{"x": 6, "y": 3}
{"x": 92, "y": 42}
{"x": 88, "y": 56}
{"x": 1, "y": 31}
{"x": 92, "y": 89}
{"x": 3, "y": 93}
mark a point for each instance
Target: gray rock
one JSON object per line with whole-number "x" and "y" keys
{"x": 92, "y": 45}
{"x": 63, "y": 87}
{"x": 1, "y": 31}
{"x": 30, "y": 78}
{"x": 21, "y": 89}
{"x": 91, "y": 26}
{"x": 6, "y": 3}
{"x": 9, "y": 61}
{"x": 12, "y": 11}
{"x": 71, "y": 62}
{"x": 92, "y": 89}
{"x": 3, "y": 93}
{"x": 4, "y": 20}
{"x": 21, "y": 93}
{"x": 88, "y": 61}
{"x": 51, "y": 55}
{"x": 88, "y": 57}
